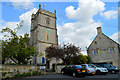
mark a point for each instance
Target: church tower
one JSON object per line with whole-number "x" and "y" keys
{"x": 43, "y": 33}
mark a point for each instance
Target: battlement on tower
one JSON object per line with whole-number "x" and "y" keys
{"x": 40, "y": 10}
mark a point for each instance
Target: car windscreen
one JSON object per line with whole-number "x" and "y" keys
{"x": 78, "y": 66}
{"x": 107, "y": 65}
{"x": 98, "y": 66}
{"x": 90, "y": 66}
{"x": 83, "y": 66}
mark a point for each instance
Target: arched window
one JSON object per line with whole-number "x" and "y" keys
{"x": 47, "y": 20}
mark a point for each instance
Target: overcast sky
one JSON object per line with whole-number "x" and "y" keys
{"x": 76, "y": 21}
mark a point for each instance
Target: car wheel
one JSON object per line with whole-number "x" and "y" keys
{"x": 98, "y": 72}
{"x": 62, "y": 72}
{"x": 73, "y": 74}
{"x": 113, "y": 72}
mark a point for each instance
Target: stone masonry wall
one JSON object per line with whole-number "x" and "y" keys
{"x": 104, "y": 55}
{"x": 59, "y": 67}
{"x": 11, "y": 70}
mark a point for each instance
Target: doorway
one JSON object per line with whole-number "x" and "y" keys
{"x": 48, "y": 64}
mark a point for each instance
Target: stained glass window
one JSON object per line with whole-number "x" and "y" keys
{"x": 47, "y": 34}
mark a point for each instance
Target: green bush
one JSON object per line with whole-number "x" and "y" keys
{"x": 10, "y": 64}
{"x": 30, "y": 70}
{"x": 36, "y": 73}
{"x": 23, "y": 74}
{"x": 17, "y": 75}
{"x": 26, "y": 74}
{"x": 4, "y": 73}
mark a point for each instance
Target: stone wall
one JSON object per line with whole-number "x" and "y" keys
{"x": 59, "y": 67}
{"x": 103, "y": 44}
{"x": 11, "y": 70}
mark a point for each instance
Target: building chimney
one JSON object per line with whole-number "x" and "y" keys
{"x": 99, "y": 30}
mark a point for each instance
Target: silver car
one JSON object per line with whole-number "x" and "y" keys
{"x": 90, "y": 68}
{"x": 100, "y": 70}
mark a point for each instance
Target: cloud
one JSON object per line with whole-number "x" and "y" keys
{"x": 83, "y": 30}
{"x": 86, "y": 10}
{"x": 1, "y": 37}
{"x": 26, "y": 17}
{"x": 115, "y": 37}
{"x": 22, "y": 4}
{"x": 111, "y": 14}
{"x": 4, "y": 24}
{"x": 80, "y": 36}
{"x": 10, "y": 25}
{"x": 80, "y": 32}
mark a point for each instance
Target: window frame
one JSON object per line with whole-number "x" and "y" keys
{"x": 47, "y": 21}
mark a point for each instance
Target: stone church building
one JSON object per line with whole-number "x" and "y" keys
{"x": 43, "y": 34}
{"x": 104, "y": 49}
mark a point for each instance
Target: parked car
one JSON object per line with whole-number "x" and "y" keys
{"x": 74, "y": 70}
{"x": 90, "y": 68}
{"x": 110, "y": 68}
{"x": 100, "y": 70}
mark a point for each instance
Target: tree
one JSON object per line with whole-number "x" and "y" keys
{"x": 16, "y": 48}
{"x": 69, "y": 53}
{"x": 4, "y": 48}
{"x": 53, "y": 52}
{"x": 88, "y": 59}
{"x": 80, "y": 59}
{"x": 65, "y": 52}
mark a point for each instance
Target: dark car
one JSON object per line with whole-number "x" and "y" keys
{"x": 110, "y": 68}
{"x": 74, "y": 70}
